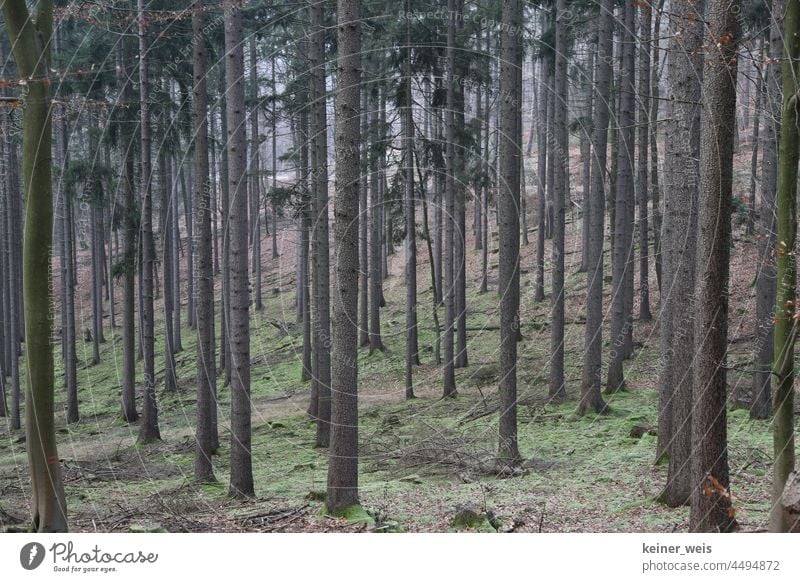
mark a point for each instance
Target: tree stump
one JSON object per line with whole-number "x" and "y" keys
{"x": 790, "y": 501}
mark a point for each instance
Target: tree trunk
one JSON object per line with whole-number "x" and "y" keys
{"x": 679, "y": 243}
{"x": 148, "y": 430}
{"x": 168, "y": 259}
{"x": 560, "y": 164}
{"x": 131, "y": 241}
{"x": 623, "y": 230}
{"x": 508, "y": 284}
{"x": 751, "y": 211}
{"x": 592, "y": 359}
{"x": 375, "y": 278}
{"x": 645, "y": 26}
{"x": 761, "y": 402}
{"x": 206, "y": 358}
{"x": 449, "y": 387}
{"x": 255, "y": 179}
{"x": 241, "y": 483}
{"x": 48, "y": 503}
{"x": 711, "y": 505}
{"x": 322, "y": 303}
{"x": 785, "y": 309}
{"x": 343, "y": 464}
{"x": 363, "y": 242}
{"x": 224, "y": 178}
{"x": 412, "y": 347}
{"x": 545, "y": 77}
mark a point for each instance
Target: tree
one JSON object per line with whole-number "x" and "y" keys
{"x": 30, "y": 41}
{"x": 711, "y": 507}
{"x": 239, "y": 322}
{"x": 450, "y": 194}
{"x": 761, "y": 401}
{"x": 786, "y": 262}
{"x": 559, "y": 163}
{"x": 206, "y": 358}
{"x": 148, "y": 430}
{"x": 508, "y": 284}
{"x": 322, "y": 303}
{"x": 592, "y": 360}
{"x": 343, "y": 454}
{"x": 679, "y": 242}
{"x": 645, "y": 28}
{"x": 409, "y": 214}
{"x": 131, "y": 241}
{"x": 623, "y": 229}
{"x": 255, "y": 180}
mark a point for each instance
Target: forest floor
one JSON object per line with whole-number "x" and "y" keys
{"x": 420, "y": 459}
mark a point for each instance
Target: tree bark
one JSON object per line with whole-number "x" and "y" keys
{"x": 508, "y": 285}
{"x": 679, "y": 242}
{"x": 148, "y": 430}
{"x": 560, "y": 164}
{"x": 28, "y": 39}
{"x": 343, "y": 458}
{"x": 761, "y": 401}
{"x": 241, "y": 482}
{"x": 785, "y": 308}
{"x": 592, "y": 360}
{"x": 206, "y": 358}
{"x": 711, "y": 505}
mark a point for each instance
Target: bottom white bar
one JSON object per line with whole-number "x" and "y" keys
{"x": 354, "y": 557}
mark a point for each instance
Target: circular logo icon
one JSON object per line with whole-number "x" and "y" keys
{"x": 31, "y": 555}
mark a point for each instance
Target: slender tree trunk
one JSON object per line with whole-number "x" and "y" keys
{"x": 27, "y": 37}
{"x": 363, "y": 249}
{"x": 148, "y": 429}
{"x": 206, "y": 359}
{"x": 375, "y": 278}
{"x": 274, "y": 122}
{"x": 560, "y": 164}
{"x": 508, "y": 285}
{"x": 592, "y": 359}
{"x": 255, "y": 180}
{"x": 541, "y": 176}
{"x": 322, "y": 303}
{"x": 785, "y": 309}
{"x": 224, "y": 178}
{"x": 450, "y": 194}
{"x": 168, "y": 259}
{"x": 761, "y": 402}
{"x": 412, "y": 347}
{"x": 241, "y": 483}
{"x": 131, "y": 241}
{"x": 751, "y": 213}
{"x": 623, "y": 231}
{"x": 711, "y": 506}
{"x": 655, "y": 98}
{"x": 343, "y": 464}
{"x": 645, "y": 26}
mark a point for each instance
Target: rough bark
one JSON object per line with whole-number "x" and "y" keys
{"x": 592, "y": 359}
{"x": 343, "y": 464}
{"x": 508, "y": 284}
{"x": 148, "y": 429}
{"x": 761, "y": 401}
{"x": 241, "y": 482}
{"x": 679, "y": 241}
{"x": 206, "y": 358}
{"x": 711, "y": 504}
